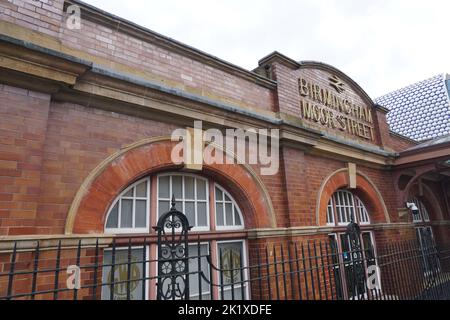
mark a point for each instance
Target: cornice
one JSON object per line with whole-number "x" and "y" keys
{"x": 80, "y": 81}
{"x": 18, "y": 56}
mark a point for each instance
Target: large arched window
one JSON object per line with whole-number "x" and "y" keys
{"x": 342, "y": 207}
{"x": 211, "y": 211}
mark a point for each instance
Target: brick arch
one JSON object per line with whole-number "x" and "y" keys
{"x": 366, "y": 190}
{"x": 88, "y": 211}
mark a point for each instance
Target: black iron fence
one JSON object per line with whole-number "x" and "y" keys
{"x": 174, "y": 265}
{"x": 120, "y": 268}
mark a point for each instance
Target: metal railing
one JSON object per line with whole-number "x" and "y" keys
{"x": 313, "y": 270}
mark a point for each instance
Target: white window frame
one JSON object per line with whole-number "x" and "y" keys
{"x": 183, "y": 200}
{"x": 330, "y": 206}
{"x": 244, "y": 266}
{"x": 424, "y": 216}
{"x": 342, "y": 208}
{"x": 233, "y": 205}
{"x": 131, "y": 230}
{"x": 208, "y": 244}
{"x": 147, "y": 268}
{"x": 361, "y": 211}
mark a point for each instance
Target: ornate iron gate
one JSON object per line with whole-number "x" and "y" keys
{"x": 173, "y": 255}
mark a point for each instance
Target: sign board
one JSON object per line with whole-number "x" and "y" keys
{"x": 328, "y": 102}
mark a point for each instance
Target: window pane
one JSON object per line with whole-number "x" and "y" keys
{"x": 219, "y": 214}
{"x": 163, "y": 207}
{"x": 126, "y": 214}
{"x": 351, "y": 214}
{"x": 141, "y": 190}
{"x": 237, "y": 219}
{"x": 330, "y": 218}
{"x": 339, "y": 209}
{"x": 190, "y": 212}
{"x": 113, "y": 217}
{"x": 129, "y": 193}
{"x": 201, "y": 189}
{"x": 219, "y": 195}
{"x": 177, "y": 186}
{"x": 194, "y": 267}
{"x": 163, "y": 187}
{"x": 201, "y": 214}
{"x": 179, "y": 205}
{"x": 141, "y": 214}
{"x": 229, "y": 214}
{"x": 231, "y": 258}
{"x": 189, "y": 188}
{"x": 137, "y": 274}
{"x": 368, "y": 248}
{"x": 227, "y": 198}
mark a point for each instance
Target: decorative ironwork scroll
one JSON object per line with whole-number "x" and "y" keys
{"x": 173, "y": 255}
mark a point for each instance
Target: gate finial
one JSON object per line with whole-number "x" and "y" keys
{"x": 173, "y": 203}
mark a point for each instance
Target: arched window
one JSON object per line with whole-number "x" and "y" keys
{"x": 191, "y": 194}
{"x": 130, "y": 211}
{"x": 228, "y": 215}
{"x": 211, "y": 210}
{"x": 342, "y": 207}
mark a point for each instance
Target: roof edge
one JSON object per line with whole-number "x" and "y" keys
{"x": 328, "y": 67}
{"x": 100, "y": 16}
{"x": 277, "y": 56}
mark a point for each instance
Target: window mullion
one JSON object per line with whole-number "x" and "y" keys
{"x": 133, "y": 210}
{"x": 148, "y": 211}
{"x": 119, "y": 216}
{"x": 232, "y": 214}
{"x": 170, "y": 191}
{"x": 195, "y": 202}
{"x": 183, "y": 197}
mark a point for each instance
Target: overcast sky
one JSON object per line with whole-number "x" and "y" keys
{"x": 382, "y": 44}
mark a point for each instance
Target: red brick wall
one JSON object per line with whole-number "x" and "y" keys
{"x": 23, "y": 126}
{"x": 48, "y": 149}
{"x": 44, "y": 16}
{"x": 75, "y": 139}
{"x": 400, "y": 144}
{"x": 79, "y": 138}
{"x": 149, "y": 59}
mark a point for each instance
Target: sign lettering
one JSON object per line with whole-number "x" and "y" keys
{"x": 334, "y": 110}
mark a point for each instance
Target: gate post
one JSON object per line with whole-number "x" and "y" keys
{"x": 173, "y": 255}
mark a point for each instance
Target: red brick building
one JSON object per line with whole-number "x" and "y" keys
{"x": 85, "y": 148}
